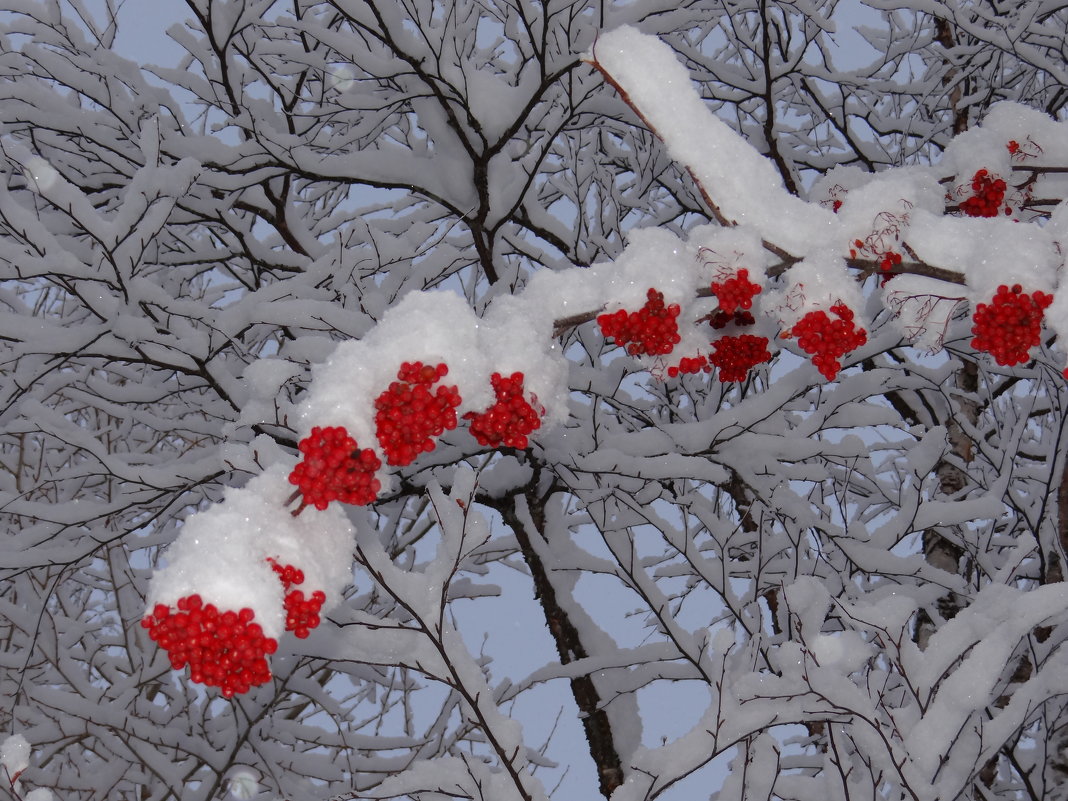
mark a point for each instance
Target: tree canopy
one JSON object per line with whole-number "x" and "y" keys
{"x": 710, "y": 369}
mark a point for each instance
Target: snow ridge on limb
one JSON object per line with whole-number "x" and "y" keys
{"x": 740, "y": 184}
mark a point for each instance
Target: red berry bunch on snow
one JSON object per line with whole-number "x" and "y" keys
{"x": 509, "y": 420}
{"x": 334, "y": 468}
{"x": 653, "y": 329}
{"x": 690, "y": 364}
{"x": 735, "y": 356}
{"x": 987, "y": 195}
{"x": 302, "y": 614}
{"x": 1010, "y": 325}
{"x": 736, "y": 292}
{"x": 223, "y": 649}
{"x": 413, "y": 412}
{"x": 827, "y": 339}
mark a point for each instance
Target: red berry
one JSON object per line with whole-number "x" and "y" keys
{"x": 214, "y": 645}
{"x": 1010, "y": 325}
{"x": 690, "y": 364}
{"x": 828, "y": 340}
{"x": 302, "y": 614}
{"x": 511, "y": 419}
{"x": 987, "y": 194}
{"x": 736, "y": 292}
{"x": 334, "y": 468}
{"x": 414, "y": 411}
{"x": 652, "y": 330}
{"x": 734, "y": 356}
{"x": 722, "y": 319}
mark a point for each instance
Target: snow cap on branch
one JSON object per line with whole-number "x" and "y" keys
{"x": 742, "y": 183}
{"x": 988, "y": 251}
{"x": 654, "y": 258}
{"x": 721, "y": 252}
{"x": 815, "y": 284}
{"x": 430, "y": 327}
{"x": 221, "y": 552}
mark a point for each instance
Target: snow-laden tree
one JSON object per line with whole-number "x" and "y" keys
{"x": 804, "y": 530}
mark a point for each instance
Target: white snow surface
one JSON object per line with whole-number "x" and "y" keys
{"x": 221, "y": 553}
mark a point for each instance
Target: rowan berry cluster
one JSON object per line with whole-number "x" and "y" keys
{"x": 652, "y": 330}
{"x": 508, "y": 421}
{"x": 736, "y": 292}
{"x": 302, "y": 614}
{"x": 736, "y": 355}
{"x": 827, "y": 339}
{"x": 987, "y": 194}
{"x": 223, "y": 649}
{"x": 722, "y": 319}
{"x": 413, "y": 412}
{"x": 335, "y": 468}
{"x": 690, "y": 364}
{"x": 1010, "y": 325}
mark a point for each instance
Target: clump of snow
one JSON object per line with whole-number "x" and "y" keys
{"x": 221, "y": 553}
{"x": 973, "y": 150}
{"x": 243, "y": 784}
{"x": 878, "y": 213}
{"x": 654, "y": 258}
{"x": 428, "y": 327}
{"x": 15, "y": 754}
{"x": 845, "y": 651}
{"x": 988, "y": 251}
{"x": 722, "y": 252}
{"x": 744, "y": 185}
{"x": 816, "y": 283}
{"x": 39, "y": 794}
{"x": 833, "y": 187}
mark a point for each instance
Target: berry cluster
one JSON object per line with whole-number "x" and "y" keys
{"x": 690, "y": 364}
{"x": 302, "y": 614}
{"x": 334, "y": 468}
{"x": 509, "y": 420}
{"x": 653, "y": 329}
{"x": 223, "y": 649}
{"x": 828, "y": 340}
{"x": 734, "y": 356}
{"x": 412, "y": 412}
{"x": 736, "y": 292}
{"x": 986, "y": 198}
{"x": 722, "y": 319}
{"x": 1010, "y": 325}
